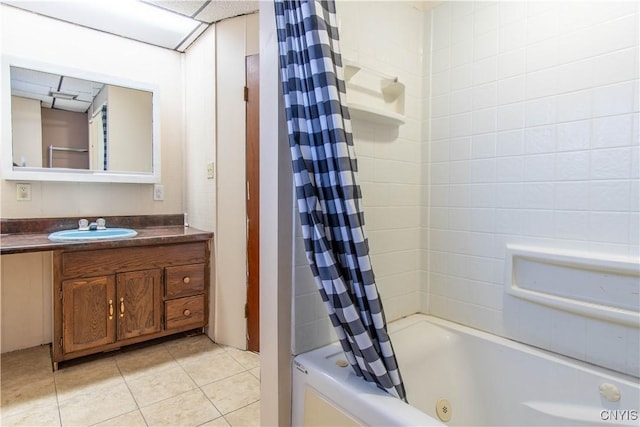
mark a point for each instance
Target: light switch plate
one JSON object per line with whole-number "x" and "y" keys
{"x": 23, "y": 192}
{"x": 210, "y": 170}
{"x": 158, "y": 192}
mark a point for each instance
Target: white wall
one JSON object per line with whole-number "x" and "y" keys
{"x": 200, "y": 144}
{"x": 26, "y": 119}
{"x": 235, "y": 39}
{"x": 276, "y": 218}
{"x": 215, "y": 70}
{"x": 534, "y": 140}
{"x": 46, "y": 40}
{"x": 38, "y": 38}
{"x": 130, "y": 129}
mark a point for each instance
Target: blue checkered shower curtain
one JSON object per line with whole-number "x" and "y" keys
{"x": 328, "y": 193}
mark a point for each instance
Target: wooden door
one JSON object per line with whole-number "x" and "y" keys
{"x": 252, "y": 99}
{"x": 138, "y": 305}
{"x": 88, "y": 307}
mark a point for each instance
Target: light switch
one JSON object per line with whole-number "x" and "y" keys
{"x": 210, "y": 170}
{"x": 158, "y": 192}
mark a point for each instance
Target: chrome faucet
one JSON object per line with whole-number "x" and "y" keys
{"x": 84, "y": 225}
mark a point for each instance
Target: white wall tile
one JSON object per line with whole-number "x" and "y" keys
{"x": 512, "y": 36}
{"x": 613, "y": 99}
{"x": 460, "y": 148}
{"x": 542, "y": 83}
{"x": 510, "y": 169}
{"x": 609, "y": 196}
{"x": 541, "y": 139}
{"x": 574, "y": 106}
{"x": 461, "y": 101}
{"x": 571, "y": 195}
{"x": 485, "y": 70}
{"x": 485, "y": 45}
{"x": 512, "y": 63}
{"x": 485, "y": 19}
{"x": 538, "y": 196}
{"x": 485, "y": 96}
{"x": 461, "y": 53}
{"x": 510, "y": 116}
{"x": 541, "y": 111}
{"x": 508, "y": 221}
{"x": 542, "y": 55}
{"x": 462, "y": 29}
{"x": 460, "y": 125}
{"x": 510, "y": 143}
{"x": 460, "y": 9}
{"x": 511, "y": 89}
{"x": 611, "y": 163}
{"x": 540, "y": 167}
{"x": 574, "y": 135}
{"x": 483, "y": 146}
{"x": 484, "y": 121}
{"x": 461, "y": 77}
{"x": 509, "y": 12}
{"x": 614, "y": 67}
{"x": 574, "y": 76}
{"x": 611, "y": 227}
{"x": 572, "y": 225}
{"x": 482, "y": 170}
{"x": 554, "y": 156}
{"x": 572, "y": 166}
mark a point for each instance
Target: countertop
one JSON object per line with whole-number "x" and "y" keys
{"x": 36, "y": 238}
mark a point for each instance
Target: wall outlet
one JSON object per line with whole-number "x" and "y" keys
{"x": 23, "y": 192}
{"x": 210, "y": 170}
{"x": 158, "y": 192}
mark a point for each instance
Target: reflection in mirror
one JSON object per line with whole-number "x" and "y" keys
{"x": 67, "y": 123}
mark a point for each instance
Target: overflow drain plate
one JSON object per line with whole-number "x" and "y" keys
{"x": 443, "y": 410}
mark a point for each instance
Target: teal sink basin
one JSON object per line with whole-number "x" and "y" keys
{"x": 109, "y": 233}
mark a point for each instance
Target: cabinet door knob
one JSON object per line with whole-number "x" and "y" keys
{"x": 121, "y": 307}
{"x": 187, "y": 312}
{"x": 110, "y": 309}
{"x": 186, "y": 280}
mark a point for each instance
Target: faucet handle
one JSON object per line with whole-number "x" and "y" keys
{"x": 101, "y": 223}
{"x": 83, "y": 224}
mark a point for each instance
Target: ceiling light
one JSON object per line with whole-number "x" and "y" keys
{"x": 63, "y": 95}
{"x": 132, "y": 19}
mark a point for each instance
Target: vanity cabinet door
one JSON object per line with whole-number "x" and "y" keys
{"x": 88, "y": 313}
{"x": 139, "y": 306}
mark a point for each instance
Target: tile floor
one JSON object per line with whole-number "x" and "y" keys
{"x": 190, "y": 381}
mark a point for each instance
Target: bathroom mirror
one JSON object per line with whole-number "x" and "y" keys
{"x": 61, "y": 124}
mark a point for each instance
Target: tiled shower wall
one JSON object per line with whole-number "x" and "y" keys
{"x": 386, "y": 37}
{"x": 528, "y": 117}
{"x": 534, "y": 140}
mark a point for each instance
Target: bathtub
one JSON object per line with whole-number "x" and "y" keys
{"x": 473, "y": 377}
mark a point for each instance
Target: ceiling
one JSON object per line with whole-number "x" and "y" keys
{"x": 53, "y": 90}
{"x": 169, "y": 24}
{"x": 165, "y": 23}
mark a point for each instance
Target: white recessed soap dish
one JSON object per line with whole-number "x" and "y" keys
{"x": 374, "y": 96}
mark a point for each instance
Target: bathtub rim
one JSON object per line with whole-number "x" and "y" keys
{"x": 312, "y": 370}
{"x": 591, "y": 368}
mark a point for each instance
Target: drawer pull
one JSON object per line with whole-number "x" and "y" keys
{"x": 186, "y": 312}
{"x": 186, "y": 280}
{"x": 121, "y": 307}
{"x": 110, "y": 309}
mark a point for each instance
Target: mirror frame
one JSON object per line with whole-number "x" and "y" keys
{"x": 65, "y": 174}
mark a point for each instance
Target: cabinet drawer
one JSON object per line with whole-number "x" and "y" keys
{"x": 183, "y": 280}
{"x": 184, "y": 312}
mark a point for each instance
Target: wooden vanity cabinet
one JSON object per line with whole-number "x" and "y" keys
{"x": 107, "y": 298}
